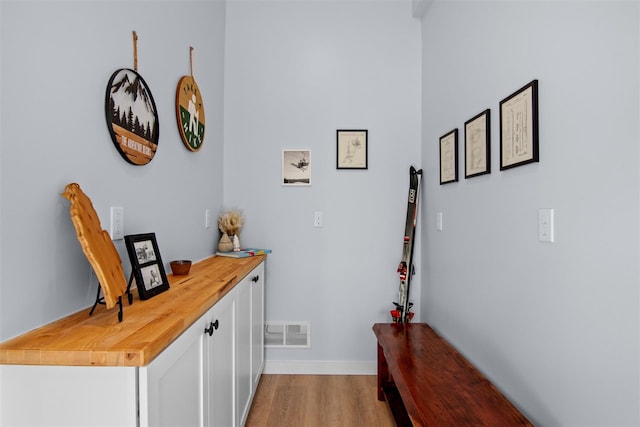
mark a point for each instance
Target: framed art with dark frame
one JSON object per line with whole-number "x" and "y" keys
{"x": 449, "y": 157}
{"x": 477, "y": 145}
{"x": 351, "y": 149}
{"x": 146, "y": 265}
{"x": 519, "y": 127}
{"x": 132, "y": 119}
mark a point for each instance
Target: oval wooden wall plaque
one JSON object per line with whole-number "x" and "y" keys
{"x": 190, "y": 113}
{"x": 132, "y": 117}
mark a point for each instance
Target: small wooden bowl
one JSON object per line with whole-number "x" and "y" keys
{"x": 180, "y": 267}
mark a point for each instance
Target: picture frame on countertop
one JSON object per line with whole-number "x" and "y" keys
{"x": 296, "y": 167}
{"x": 477, "y": 145}
{"x": 449, "y": 157}
{"x": 146, "y": 265}
{"x": 352, "y": 149}
{"x": 519, "y": 127}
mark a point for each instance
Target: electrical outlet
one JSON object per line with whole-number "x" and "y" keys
{"x": 317, "y": 219}
{"x": 117, "y": 223}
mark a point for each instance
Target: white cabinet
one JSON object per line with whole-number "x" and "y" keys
{"x": 171, "y": 391}
{"x": 250, "y": 340}
{"x": 243, "y": 351}
{"x": 220, "y": 374}
{"x": 67, "y": 396}
{"x": 191, "y": 382}
{"x": 206, "y": 377}
{"x": 257, "y": 324}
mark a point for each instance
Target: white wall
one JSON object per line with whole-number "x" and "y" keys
{"x": 555, "y": 326}
{"x": 295, "y": 73}
{"x": 57, "y": 57}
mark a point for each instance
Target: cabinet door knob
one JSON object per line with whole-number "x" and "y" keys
{"x": 255, "y": 279}
{"x": 213, "y": 326}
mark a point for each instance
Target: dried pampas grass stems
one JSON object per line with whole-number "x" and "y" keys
{"x": 230, "y": 222}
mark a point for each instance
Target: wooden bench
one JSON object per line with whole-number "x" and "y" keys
{"x": 426, "y": 382}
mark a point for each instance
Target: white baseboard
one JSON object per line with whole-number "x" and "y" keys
{"x": 319, "y": 367}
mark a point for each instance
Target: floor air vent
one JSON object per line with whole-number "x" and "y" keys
{"x": 287, "y": 334}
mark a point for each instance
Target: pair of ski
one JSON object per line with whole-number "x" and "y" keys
{"x": 402, "y": 313}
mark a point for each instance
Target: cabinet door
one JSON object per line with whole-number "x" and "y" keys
{"x": 257, "y": 323}
{"x": 249, "y": 339}
{"x": 219, "y": 364}
{"x": 244, "y": 383}
{"x": 171, "y": 391}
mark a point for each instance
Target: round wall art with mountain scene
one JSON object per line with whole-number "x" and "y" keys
{"x": 132, "y": 117}
{"x": 190, "y": 113}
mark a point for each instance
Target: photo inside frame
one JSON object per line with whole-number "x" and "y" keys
{"x": 146, "y": 265}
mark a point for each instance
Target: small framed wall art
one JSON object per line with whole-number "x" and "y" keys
{"x": 190, "y": 110}
{"x": 132, "y": 117}
{"x": 146, "y": 265}
{"x": 296, "y": 167}
{"x": 477, "y": 145}
{"x": 131, "y": 113}
{"x": 351, "y": 149}
{"x": 519, "y": 127}
{"x": 190, "y": 113}
{"x": 449, "y": 157}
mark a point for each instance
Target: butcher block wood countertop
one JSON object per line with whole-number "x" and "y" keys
{"x": 147, "y": 328}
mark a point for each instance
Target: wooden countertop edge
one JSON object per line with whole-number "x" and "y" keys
{"x": 148, "y": 327}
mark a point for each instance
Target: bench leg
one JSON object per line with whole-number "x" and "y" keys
{"x": 383, "y": 373}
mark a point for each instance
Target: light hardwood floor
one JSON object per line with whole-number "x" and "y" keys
{"x": 318, "y": 400}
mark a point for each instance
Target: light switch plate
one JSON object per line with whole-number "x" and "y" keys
{"x": 207, "y": 218}
{"x": 545, "y": 225}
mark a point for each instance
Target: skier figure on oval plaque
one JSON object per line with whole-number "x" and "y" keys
{"x": 190, "y": 111}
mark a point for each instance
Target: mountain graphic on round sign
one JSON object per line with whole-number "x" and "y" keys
{"x": 132, "y": 117}
{"x": 190, "y": 113}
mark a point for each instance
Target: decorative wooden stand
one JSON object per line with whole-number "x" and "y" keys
{"x": 98, "y": 248}
{"x": 100, "y": 299}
